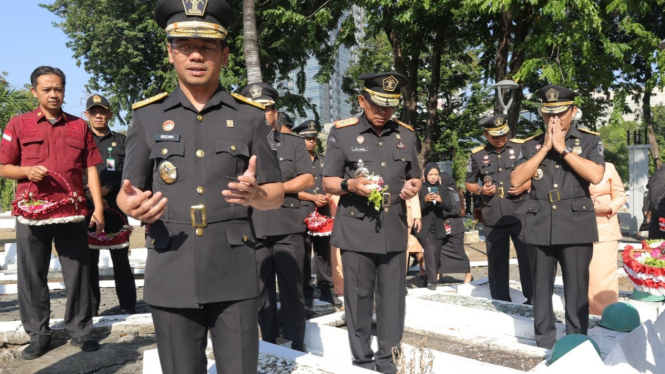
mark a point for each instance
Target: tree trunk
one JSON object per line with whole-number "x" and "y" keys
{"x": 251, "y": 42}
{"x": 502, "y": 53}
{"x": 648, "y": 120}
{"x": 432, "y": 103}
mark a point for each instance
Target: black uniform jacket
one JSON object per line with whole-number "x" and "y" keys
{"x": 194, "y": 260}
{"x": 317, "y": 169}
{"x": 560, "y": 210}
{"x": 501, "y": 208}
{"x": 293, "y": 161}
{"x": 358, "y": 226}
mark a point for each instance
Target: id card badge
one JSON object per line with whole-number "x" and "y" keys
{"x": 110, "y": 164}
{"x": 449, "y": 228}
{"x": 661, "y": 224}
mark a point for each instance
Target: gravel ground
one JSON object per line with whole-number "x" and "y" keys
{"x": 269, "y": 364}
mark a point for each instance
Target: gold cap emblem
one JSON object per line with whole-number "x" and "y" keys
{"x": 312, "y": 126}
{"x": 195, "y": 7}
{"x": 390, "y": 83}
{"x": 498, "y": 121}
{"x": 96, "y": 99}
{"x": 255, "y": 91}
{"x": 552, "y": 95}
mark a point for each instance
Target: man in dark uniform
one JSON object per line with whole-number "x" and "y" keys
{"x": 111, "y": 146}
{"x": 315, "y": 199}
{"x": 503, "y": 206}
{"x": 200, "y": 158}
{"x": 280, "y": 232}
{"x": 560, "y": 223}
{"x": 656, "y": 204}
{"x": 373, "y": 241}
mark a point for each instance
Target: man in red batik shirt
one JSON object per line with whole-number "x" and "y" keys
{"x": 47, "y": 151}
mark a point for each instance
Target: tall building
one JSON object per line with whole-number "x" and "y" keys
{"x": 331, "y": 103}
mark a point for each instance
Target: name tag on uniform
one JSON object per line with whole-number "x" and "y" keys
{"x": 359, "y": 149}
{"x": 167, "y": 137}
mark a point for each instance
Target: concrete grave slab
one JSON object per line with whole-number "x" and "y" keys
{"x": 659, "y": 328}
{"x": 641, "y": 349}
{"x": 10, "y": 254}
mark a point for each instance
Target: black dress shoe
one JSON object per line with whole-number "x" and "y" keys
{"x": 129, "y": 311}
{"x": 332, "y": 299}
{"x": 309, "y": 303}
{"x": 35, "y": 349}
{"x": 431, "y": 286}
{"x": 309, "y": 313}
{"x": 299, "y": 346}
{"x": 85, "y": 343}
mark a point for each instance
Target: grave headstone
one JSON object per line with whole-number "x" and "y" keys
{"x": 10, "y": 253}
{"x": 641, "y": 349}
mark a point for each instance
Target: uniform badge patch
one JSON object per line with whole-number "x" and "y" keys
{"x": 577, "y": 149}
{"x": 538, "y": 175}
{"x": 360, "y": 139}
{"x": 114, "y": 144}
{"x": 195, "y": 7}
{"x": 229, "y": 123}
{"x": 168, "y": 172}
{"x": 601, "y": 150}
{"x": 469, "y": 165}
{"x": 401, "y": 145}
{"x": 390, "y": 83}
{"x": 538, "y": 146}
{"x": 521, "y": 156}
{"x": 168, "y": 125}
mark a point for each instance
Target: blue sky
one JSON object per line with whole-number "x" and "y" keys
{"x": 31, "y": 40}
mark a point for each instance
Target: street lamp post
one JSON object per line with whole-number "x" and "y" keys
{"x": 501, "y": 88}
{"x": 661, "y": 45}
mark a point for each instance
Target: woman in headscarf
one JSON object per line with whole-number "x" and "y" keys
{"x": 441, "y": 230}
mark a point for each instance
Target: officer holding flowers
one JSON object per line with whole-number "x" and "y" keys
{"x": 370, "y": 225}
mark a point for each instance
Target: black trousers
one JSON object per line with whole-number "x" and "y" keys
{"x": 453, "y": 257}
{"x": 34, "y": 254}
{"x": 322, "y": 262}
{"x": 497, "y": 242}
{"x": 363, "y": 274}
{"x": 432, "y": 248}
{"x": 574, "y": 260}
{"x": 307, "y": 288}
{"x": 125, "y": 286}
{"x": 282, "y": 255}
{"x": 182, "y": 337}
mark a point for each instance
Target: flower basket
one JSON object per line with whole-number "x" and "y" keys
{"x": 116, "y": 240}
{"x": 33, "y": 209}
{"x": 646, "y": 267}
{"x": 319, "y": 225}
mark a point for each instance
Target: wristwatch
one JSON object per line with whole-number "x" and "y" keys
{"x": 344, "y": 185}
{"x": 565, "y": 152}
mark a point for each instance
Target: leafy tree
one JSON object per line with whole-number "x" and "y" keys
{"x": 120, "y": 46}
{"x": 614, "y": 139}
{"x": 13, "y": 101}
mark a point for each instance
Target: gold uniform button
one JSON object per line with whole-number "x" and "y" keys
{"x": 554, "y": 207}
{"x": 386, "y": 210}
{"x": 403, "y": 159}
{"x": 501, "y": 183}
{"x": 200, "y": 118}
{"x": 499, "y": 156}
{"x": 383, "y": 164}
{"x": 556, "y": 185}
{"x": 352, "y": 213}
{"x": 315, "y": 177}
{"x": 165, "y": 151}
{"x": 583, "y": 207}
{"x": 244, "y": 238}
{"x": 199, "y": 231}
{"x": 529, "y": 208}
{"x": 199, "y": 153}
{"x": 500, "y": 169}
{"x": 200, "y": 190}
{"x": 380, "y": 144}
{"x": 153, "y": 241}
{"x": 234, "y": 148}
{"x": 556, "y": 166}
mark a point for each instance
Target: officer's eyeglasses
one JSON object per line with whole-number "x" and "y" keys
{"x": 206, "y": 50}
{"x": 381, "y": 109}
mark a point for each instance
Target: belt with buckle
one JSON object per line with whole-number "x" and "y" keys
{"x": 501, "y": 192}
{"x": 204, "y": 219}
{"x": 554, "y": 196}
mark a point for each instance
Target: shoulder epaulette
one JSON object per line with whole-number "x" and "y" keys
{"x": 149, "y": 100}
{"x": 477, "y": 149}
{"x": 589, "y": 132}
{"x": 346, "y": 122}
{"x": 247, "y": 101}
{"x": 527, "y": 139}
{"x": 403, "y": 124}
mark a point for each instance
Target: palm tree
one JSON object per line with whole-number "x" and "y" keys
{"x": 251, "y": 42}
{"x": 12, "y": 102}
